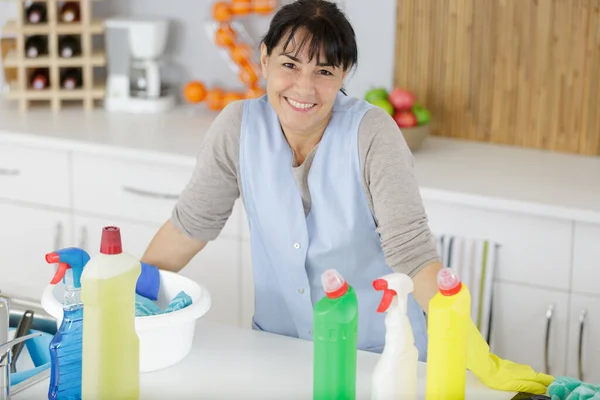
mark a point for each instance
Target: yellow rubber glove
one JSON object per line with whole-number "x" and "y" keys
{"x": 500, "y": 374}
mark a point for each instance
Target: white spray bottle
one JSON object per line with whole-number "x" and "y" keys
{"x": 395, "y": 375}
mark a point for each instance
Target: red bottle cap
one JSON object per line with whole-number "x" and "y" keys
{"x": 448, "y": 282}
{"x": 111, "y": 240}
{"x": 334, "y": 284}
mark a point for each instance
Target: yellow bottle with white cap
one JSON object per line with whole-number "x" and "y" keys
{"x": 447, "y": 323}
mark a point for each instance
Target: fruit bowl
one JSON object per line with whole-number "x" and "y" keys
{"x": 411, "y": 117}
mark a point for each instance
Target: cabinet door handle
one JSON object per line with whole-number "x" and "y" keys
{"x": 580, "y": 347}
{"x": 9, "y": 171}
{"x": 148, "y": 193}
{"x": 549, "y": 313}
{"x": 58, "y": 236}
{"x": 83, "y": 238}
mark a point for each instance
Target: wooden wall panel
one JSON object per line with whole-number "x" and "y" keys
{"x": 518, "y": 72}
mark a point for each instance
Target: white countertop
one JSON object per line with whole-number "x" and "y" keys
{"x": 233, "y": 363}
{"x": 473, "y": 173}
{"x": 506, "y": 177}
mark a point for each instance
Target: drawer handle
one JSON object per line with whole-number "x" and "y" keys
{"x": 580, "y": 348}
{"x": 148, "y": 193}
{"x": 549, "y": 313}
{"x": 9, "y": 172}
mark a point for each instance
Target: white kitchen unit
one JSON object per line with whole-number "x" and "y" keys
{"x": 65, "y": 176}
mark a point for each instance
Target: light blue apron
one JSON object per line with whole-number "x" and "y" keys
{"x": 291, "y": 250}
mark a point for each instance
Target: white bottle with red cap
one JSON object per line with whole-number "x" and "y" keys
{"x": 395, "y": 375}
{"x": 110, "y": 355}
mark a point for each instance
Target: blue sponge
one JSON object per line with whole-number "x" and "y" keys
{"x": 567, "y": 388}
{"x": 145, "y": 307}
{"x": 182, "y": 300}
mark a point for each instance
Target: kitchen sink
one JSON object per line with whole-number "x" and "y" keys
{"x": 30, "y": 372}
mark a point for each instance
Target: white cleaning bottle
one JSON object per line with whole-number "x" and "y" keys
{"x": 395, "y": 375}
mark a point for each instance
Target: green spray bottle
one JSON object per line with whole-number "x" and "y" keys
{"x": 335, "y": 335}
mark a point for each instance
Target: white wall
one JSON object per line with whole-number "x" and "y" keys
{"x": 193, "y": 56}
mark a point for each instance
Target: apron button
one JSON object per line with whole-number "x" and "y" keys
{"x": 296, "y": 245}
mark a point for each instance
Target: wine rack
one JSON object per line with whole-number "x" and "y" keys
{"x": 40, "y": 77}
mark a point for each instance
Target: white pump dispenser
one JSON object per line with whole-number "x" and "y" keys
{"x": 395, "y": 376}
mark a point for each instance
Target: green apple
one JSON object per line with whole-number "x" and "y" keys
{"x": 384, "y": 104}
{"x": 376, "y": 94}
{"x": 422, "y": 114}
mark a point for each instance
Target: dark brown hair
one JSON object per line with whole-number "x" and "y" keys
{"x": 327, "y": 28}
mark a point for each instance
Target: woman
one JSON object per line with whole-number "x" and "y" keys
{"x": 327, "y": 182}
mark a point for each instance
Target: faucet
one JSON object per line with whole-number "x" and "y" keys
{"x": 6, "y": 349}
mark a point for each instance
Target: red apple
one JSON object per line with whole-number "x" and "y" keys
{"x": 405, "y": 118}
{"x": 401, "y": 99}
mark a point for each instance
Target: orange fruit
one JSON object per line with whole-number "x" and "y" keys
{"x": 194, "y": 92}
{"x": 221, "y": 12}
{"x": 241, "y": 7}
{"x": 215, "y": 99}
{"x": 225, "y": 36}
{"x": 263, "y": 6}
{"x": 248, "y": 74}
{"x": 240, "y": 53}
{"x": 254, "y": 92}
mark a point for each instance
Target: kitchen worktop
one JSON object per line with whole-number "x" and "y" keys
{"x": 485, "y": 175}
{"x": 234, "y": 363}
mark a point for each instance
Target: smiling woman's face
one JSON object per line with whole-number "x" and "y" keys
{"x": 301, "y": 91}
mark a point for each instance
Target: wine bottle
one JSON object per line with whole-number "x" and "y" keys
{"x": 40, "y": 79}
{"x": 69, "y": 46}
{"x": 36, "y": 46}
{"x": 71, "y": 79}
{"x": 70, "y": 12}
{"x": 36, "y": 13}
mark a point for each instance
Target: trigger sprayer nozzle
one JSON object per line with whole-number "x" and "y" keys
{"x": 388, "y": 294}
{"x": 72, "y": 258}
{"x": 60, "y": 273}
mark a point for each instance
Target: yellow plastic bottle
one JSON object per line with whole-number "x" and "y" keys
{"x": 448, "y": 316}
{"x": 110, "y": 355}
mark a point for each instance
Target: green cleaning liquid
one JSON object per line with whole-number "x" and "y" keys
{"x": 110, "y": 355}
{"x": 335, "y": 335}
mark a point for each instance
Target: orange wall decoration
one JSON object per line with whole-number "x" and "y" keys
{"x": 240, "y": 53}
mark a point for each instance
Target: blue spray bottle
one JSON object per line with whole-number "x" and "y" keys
{"x": 66, "y": 346}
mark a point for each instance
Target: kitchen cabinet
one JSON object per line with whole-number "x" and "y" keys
{"x": 583, "y": 355}
{"x": 34, "y": 175}
{"x": 129, "y": 189}
{"x": 216, "y": 267}
{"x": 26, "y": 235}
{"x": 533, "y": 250}
{"x": 530, "y": 326}
{"x": 586, "y": 258}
